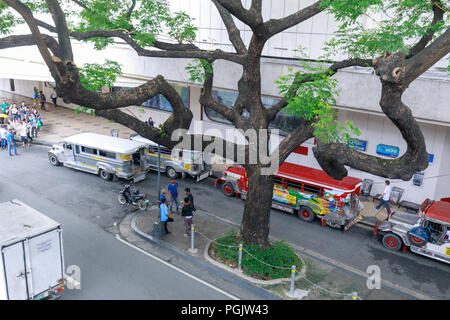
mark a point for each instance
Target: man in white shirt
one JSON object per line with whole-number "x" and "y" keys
{"x": 23, "y": 129}
{"x": 385, "y": 197}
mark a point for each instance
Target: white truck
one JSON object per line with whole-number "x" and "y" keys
{"x": 31, "y": 253}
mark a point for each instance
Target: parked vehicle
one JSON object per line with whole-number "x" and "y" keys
{"x": 130, "y": 195}
{"x": 308, "y": 192}
{"x": 103, "y": 155}
{"x": 31, "y": 253}
{"x": 426, "y": 233}
{"x": 177, "y": 161}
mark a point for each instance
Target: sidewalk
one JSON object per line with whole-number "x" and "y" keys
{"x": 60, "y": 122}
{"x": 318, "y": 281}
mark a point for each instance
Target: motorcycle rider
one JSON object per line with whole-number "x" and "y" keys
{"x": 127, "y": 191}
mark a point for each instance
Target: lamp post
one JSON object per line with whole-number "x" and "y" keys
{"x": 158, "y": 225}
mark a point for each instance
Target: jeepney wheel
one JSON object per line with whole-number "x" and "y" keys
{"x": 104, "y": 174}
{"x": 392, "y": 241}
{"x": 142, "y": 205}
{"x": 416, "y": 241}
{"x": 171, "y": 173}
{"x": 306, "y": 214}
{"x": 53, "y": 160}
{"x": 227, "y": 189}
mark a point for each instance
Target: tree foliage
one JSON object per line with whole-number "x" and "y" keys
{"x": 94, "y": 76}
{"x": 396, "y": 25}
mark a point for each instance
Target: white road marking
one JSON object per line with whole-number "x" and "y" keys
{"x": 177, "y": 269}
{"x": 74, "y": 283}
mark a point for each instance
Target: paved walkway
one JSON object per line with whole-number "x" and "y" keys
{"x": 60, "y": 122}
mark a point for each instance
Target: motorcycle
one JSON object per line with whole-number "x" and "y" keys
{"x": 129, "y": 195}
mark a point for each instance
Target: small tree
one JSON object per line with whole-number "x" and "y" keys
{"x": 308, "y": 93}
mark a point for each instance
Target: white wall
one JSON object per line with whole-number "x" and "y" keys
{"x": 380, "y": 130}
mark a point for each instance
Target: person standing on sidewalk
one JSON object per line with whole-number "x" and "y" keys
{"x": 11, "y": 143}
{"x": 54, "y": 96}
{"x": 189, "y": 195}
{"x": 23, "y": 130}
{"x": 43, "y": 99}
{"x": 165, "y": 217}
{"x": 34, "y": 126}
{"x": 187, "y": 213}
{"x": 36, "y": 96}
{"x": 385, "y": 197}
{"x": 173, "y": 190}
{"x": 4, "y": 106}
{"x": 3, "y": 134}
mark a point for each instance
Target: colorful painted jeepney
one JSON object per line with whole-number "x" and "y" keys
{"x": 308, "y": 192}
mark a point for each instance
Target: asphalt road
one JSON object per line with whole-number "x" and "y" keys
{"x": 82, "y": 204}
{"x": 86, "y": 205}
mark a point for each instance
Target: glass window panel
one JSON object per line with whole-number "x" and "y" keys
{"x": 282, "y": 121}
{"x": 160, "y": 102}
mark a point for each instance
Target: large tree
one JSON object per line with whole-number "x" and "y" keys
{"x": 410, "y": 37}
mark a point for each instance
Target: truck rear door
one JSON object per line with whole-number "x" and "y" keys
{"x": 46, "y": 262}
{"x": 14, "y": 263}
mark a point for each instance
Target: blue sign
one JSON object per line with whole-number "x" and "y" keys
{"x": 388, "y": 151}
{"x": 357, "y": 144}
{"x": 431, "y": 158}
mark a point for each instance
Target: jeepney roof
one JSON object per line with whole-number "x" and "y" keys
{"x": 19, "y": 221}
{"x": 143, "y": 140}
{"x": 107, "y": 143}
{"x": 152, "y": 143}
{"x": 439, "y": 210}
{"x": 316, "y": 177}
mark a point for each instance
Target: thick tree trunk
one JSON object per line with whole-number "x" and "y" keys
{"x": 256, "y": 220}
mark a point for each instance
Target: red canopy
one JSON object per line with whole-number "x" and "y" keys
{"x": 316, "y": 176}
{"x": 439, "y": 210}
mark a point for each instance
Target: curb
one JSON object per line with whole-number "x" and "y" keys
{"x": 264, "y": 294}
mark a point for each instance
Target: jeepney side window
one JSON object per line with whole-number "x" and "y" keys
{"x": 278, "y": 181}
{"x": 107, "y": 154}
{"x": 311, "y": 189}
{"x": 89, "y": 150}
{"x": 68, "y": 146}
{"x": 293, "y": 184}
{"x": 77, "y": 149}
{"x": 166, "y": 151}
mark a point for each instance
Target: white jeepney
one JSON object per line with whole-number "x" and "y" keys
{"x": 426, "y": 233}
{"x": 103, "y": 155}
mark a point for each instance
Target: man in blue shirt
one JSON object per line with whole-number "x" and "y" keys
{"x": 173, "y": 191}
{"x": 11, "y": 142}
{"x": 164, "y": 214}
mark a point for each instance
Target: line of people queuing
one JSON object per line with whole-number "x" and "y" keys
{"x": 22, "y": 120}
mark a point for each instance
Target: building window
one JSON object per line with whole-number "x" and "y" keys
{"x": 282, "y": 121}
{"x": 159, "y": 102}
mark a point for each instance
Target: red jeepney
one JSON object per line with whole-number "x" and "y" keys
{"x": 306, "y": 191}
